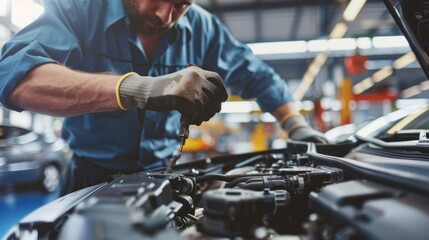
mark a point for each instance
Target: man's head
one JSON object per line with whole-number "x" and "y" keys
{"x": 155, "y": 16}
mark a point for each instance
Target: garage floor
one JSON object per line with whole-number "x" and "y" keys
{"x": 17, "y": 203}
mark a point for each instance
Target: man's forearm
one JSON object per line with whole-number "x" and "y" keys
{"x": 284, "y": 110}
{"x": 57, "y": 90}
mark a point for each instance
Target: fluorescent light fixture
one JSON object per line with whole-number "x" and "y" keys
{"x": 353, "y": 9}
{"x": 358, "y": 89}
{"x": 239, "y": 107}
{"x": 238, "y": 118}
{"x": 307, "y": 106}
{"x": 382, "y": 74}
{"x": 410, "y": 92}
{"x": 319, "y": 60}
{"x": 363, "y": 85}
{"x": 309, "y": 75}
{"x": 24, "y": 12}
{"x": 278, "y": 47}
{"x": 383, "y": 45}
{"x": 364, "y": 43}
{"x": 341, "y": 44}
{"x": 318, "y": 45}
{"x": 414, "y": 90}
{"x": 306, "y": 81}
{"x": 339, "y": 30}
{"x": 389, "y": 42}
{"x": 304, "y": 105}
{"x": 367, "y": 83}
{"x": 403, "y": 61}
{"x": 385, "y": 72}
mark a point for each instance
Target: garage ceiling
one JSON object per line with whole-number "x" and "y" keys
{"x": 289, "y": 20}
{"x": 280, "y": 20}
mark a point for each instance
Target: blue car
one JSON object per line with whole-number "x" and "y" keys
{"x": 28, "y": 158}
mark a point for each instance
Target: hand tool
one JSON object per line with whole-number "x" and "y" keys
{"x": 183, "y": 135}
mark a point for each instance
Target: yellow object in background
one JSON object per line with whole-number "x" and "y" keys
{"x": 346, "y": 95}
{"x": 259, "y": 138}
{"x": 198, "y": 144}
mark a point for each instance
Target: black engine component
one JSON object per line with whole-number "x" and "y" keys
{"x": 238, "y": 212}
{"x": 259, "y": 196}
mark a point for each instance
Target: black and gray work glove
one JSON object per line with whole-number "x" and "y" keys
{"x": 194, "y": 92}
{"x": 298, "y": 129}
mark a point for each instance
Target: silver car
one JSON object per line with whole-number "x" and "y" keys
{"x": 30, "y": 158}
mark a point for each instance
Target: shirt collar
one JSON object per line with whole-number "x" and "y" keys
{"x": 116, "y": 12}
{"x": 184, "y": 23}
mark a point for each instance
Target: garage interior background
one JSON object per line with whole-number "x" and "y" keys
{"x": 345, "y": 61}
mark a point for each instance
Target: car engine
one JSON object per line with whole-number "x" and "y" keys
{"x": 301, "y": 192}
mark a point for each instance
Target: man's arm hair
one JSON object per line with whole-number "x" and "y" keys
{"x": 57, "y": 90}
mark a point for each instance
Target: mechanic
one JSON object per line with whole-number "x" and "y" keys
{"x": 102, "y": 64}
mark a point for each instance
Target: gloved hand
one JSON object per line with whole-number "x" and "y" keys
{"x": 194, "y": 92}
{"x": 298, "y": 129}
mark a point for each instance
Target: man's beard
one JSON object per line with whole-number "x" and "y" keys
{"x": 144, "y": 23}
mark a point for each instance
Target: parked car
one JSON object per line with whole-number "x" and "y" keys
{"x": 27, "y": 157}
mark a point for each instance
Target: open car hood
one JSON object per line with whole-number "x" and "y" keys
{"x": 412, "y": 17}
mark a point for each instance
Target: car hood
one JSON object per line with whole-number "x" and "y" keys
{"x": 412, "y": 17}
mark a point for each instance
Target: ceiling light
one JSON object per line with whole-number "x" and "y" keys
{"x": 320, "y": 59}
{"x": 404, "y": 60}
{"x": 382, "y": 74}
{"x": 278, "y": 47}
{"x": 319, "y": 45}
{"x": 342, "y": 44}
{"x": 309, "y": 75}
{"x": 353, "y": 9}
{"x": 364, "y": 43}
{"x": 414, "y": 90}
{"x": 367, "y": 83}
{"x": 363, "y": 85}
{"x": 306, "y": 81}
{"x": 410, "y": 92}
{"x": 389, "y": 42}
{"x": 239, "y": 107}
{"x": 339, "y": 30}
{"x": 358, "y": 89}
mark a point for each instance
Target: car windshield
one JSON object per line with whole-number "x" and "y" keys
{"x": 403, "y": 125}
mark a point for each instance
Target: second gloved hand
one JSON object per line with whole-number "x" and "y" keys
{"x": 194, "y": 92}
{"x": 298, "y": 129}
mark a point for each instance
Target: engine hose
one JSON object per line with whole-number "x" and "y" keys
{"x": 234, "y": 182}
{"x": 227, "y": 178}
{"x": 258, "y": 186}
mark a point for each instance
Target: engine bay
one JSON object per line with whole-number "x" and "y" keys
{"x": 292, "y": 193}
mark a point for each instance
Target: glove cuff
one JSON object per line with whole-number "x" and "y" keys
{"x": 292, "y": 122}
{"x": 132, "y": 90}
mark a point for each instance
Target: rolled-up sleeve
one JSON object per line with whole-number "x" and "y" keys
{"x": 52, "y": 38}
{"x": 243, "y": 72}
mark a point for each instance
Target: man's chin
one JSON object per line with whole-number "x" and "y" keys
{"x": 152, "y": 31}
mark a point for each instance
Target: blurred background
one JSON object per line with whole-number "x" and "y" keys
{"x": 345, "y": 61}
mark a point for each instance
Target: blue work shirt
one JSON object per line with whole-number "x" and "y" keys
{"x": 94, "y": 36}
